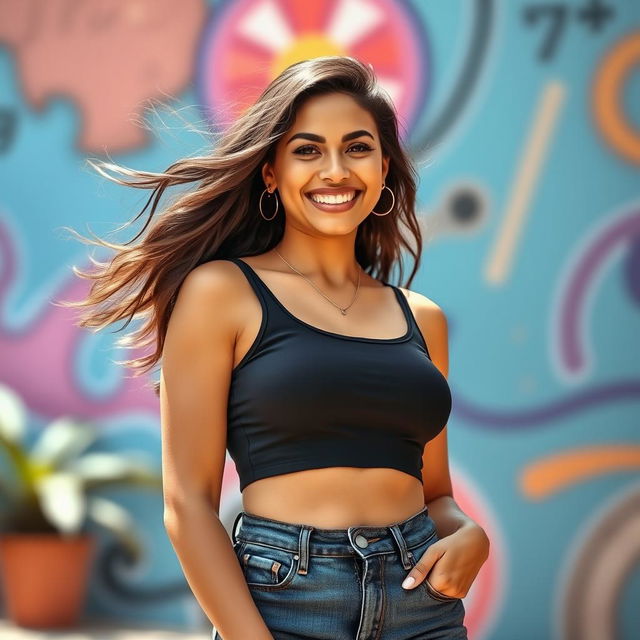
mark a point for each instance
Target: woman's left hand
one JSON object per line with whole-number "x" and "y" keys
{"x": 453, "y": 562}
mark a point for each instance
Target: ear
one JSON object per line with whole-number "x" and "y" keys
{"x": 267, "y": 174}
{"x": 385, "y": 167}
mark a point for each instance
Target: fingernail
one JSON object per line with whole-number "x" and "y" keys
{"x": 408, "y": 582}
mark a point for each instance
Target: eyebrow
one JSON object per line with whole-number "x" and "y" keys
{"x": 316, "y": 138}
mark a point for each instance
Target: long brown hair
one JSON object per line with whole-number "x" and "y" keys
{"x": 219, "y": 217}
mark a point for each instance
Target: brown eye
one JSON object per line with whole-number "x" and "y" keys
{"x": 300, "y": 150}
{"x": 363, "y": 148}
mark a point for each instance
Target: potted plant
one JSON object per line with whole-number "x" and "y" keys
{"x": 46, "y": 549}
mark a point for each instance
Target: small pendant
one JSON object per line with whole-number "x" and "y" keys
{"x": 343, "y": 312}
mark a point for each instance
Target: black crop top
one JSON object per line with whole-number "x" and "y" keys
{"x": 306, "y": 398}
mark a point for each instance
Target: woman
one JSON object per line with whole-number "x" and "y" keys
{"x": 326, "y": 384}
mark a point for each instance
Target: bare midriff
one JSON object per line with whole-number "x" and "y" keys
{"x": 336, "y": 497}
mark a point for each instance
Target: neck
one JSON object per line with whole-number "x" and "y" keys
{"x": 337, "y": 268}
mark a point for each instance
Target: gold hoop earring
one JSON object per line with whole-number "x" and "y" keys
{"x": 260, "y": 203}
{"x": 392, "y": 204}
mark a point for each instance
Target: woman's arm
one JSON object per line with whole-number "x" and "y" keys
{"x": 196, "y": 370}
{"x": 452, "y": 563}
{"x": 438, "y": 490}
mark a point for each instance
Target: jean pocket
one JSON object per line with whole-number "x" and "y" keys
{"x": 414, "y": 555}
{"x": 434, "y": 593}
{"x": 266, "y": 567}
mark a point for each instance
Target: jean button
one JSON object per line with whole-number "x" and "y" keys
{"x": 361, "y": 541}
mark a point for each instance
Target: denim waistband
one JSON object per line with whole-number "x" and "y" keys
{"x": 359, "y": 540}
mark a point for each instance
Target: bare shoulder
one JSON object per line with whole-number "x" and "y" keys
{"x": 433, "y": 324}
{"x": 418, "y": 300}
{"x": 428, "y": 310}
{"x": 212, "y": 278}
{"x": 210, "y": 293}
{"x": 205, "y": 319}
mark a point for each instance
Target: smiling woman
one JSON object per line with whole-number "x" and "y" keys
{"x": 339, "y": 173}
{"x": 282, "y": 342}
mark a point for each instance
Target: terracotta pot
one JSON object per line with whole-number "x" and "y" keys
{"x": 44, "y": 578}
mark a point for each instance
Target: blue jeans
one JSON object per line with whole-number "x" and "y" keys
{"x": 344, "y": 584}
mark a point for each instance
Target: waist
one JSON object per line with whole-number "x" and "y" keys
{"x": 369, "y": 539}
{"x": 336, "y": 497}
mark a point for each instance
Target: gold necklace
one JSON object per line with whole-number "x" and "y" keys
{"x": 343, "y": 310}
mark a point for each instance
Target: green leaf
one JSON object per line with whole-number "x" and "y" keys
{"x": 99, "y": 470}
{"x": 12, "y": 415}
{"x": 63, "y": 440}
{"x": 62, "y": 501}
{"x": 118, "y": 521}
{"x": 12, "y": 427}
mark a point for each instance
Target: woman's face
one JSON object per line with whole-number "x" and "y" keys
{"x": 313, "y": 155}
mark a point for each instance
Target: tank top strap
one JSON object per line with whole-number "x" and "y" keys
{"x": 278, "y": 318}
{"x": 271, "y": 309}
{"x": 256, "y": 283}
{"x": 411, "y": 319}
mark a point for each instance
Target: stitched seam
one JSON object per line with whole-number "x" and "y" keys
{"x": 384, "y": 597}
{"x": 355, "y": 571}
{"x": 276, "y": 585}
{"x": 265, "y": 544}
{"x": 415, "y": 546}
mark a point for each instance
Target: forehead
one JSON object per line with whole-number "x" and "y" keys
{"x": 332, "y": 115}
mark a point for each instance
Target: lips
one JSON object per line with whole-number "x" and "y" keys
{"x": 335, "y": 208}
{"x": 332, "y": 192}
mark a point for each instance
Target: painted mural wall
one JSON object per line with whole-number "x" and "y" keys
{"x": 523, "y": 118}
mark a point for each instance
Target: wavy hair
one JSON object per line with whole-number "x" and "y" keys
{"x": 218, "y": 217}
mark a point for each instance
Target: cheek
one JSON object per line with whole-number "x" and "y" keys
{"x": 369, "y": 171}
{"x": 373, "y": 168}
{"x": 294, "y": 177}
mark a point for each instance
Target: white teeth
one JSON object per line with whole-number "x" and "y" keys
{"x": 327, "y": 199}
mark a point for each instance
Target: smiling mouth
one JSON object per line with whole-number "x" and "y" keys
{"x": 337, "y": 207}
{"x": 356, "y": 193}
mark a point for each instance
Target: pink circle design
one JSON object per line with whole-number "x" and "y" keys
{"x": 247, "y": 43}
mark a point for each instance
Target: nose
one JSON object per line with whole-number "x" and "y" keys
{"x": 335, "y": 168}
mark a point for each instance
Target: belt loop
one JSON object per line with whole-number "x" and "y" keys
{"x": 303, "y": 548}
{"x": 402, "y": 546}
{"x": 233, "y": 527}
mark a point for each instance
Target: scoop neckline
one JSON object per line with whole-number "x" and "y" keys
{"x": 403, "y": 338}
